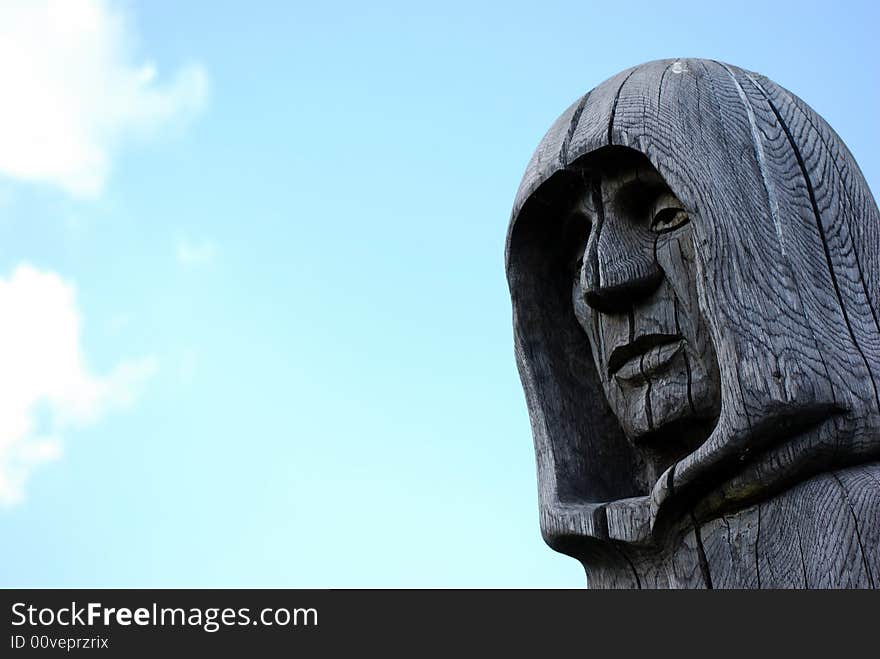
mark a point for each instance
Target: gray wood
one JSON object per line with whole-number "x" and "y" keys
{"x": 693, "y": 266}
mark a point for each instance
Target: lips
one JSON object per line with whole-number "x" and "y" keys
{"x": 644, "y": 355}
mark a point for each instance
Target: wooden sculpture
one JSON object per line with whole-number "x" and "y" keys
{"x": 694, "y": 266}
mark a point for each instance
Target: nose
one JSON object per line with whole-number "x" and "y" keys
{"x": 619, "y": 268}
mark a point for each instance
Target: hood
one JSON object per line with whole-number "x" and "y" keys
{"x": 785, "y": 231}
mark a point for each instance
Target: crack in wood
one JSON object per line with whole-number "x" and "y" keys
{"x": 649, "y": 413}
{"x": 701, "y": 553}
{"x": 757, "y": 542}
{"x": 855, "y": 521}
{"x": 632, "y": 565}
{"x": 687, "y": 361}
{"x": 572, "y": 127}
{"x": 660, "y": 88}
{"x": 614, "y": 108}
{"x": 800, "y": 543}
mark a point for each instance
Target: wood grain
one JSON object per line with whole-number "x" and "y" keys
{"x": 784, "y": 489}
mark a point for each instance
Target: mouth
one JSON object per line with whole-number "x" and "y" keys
{"x": 626, "y": 361}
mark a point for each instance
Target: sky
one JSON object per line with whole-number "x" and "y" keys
{"x": 256, "y": 329}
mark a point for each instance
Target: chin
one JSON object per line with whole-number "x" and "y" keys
{"x": 678, "y": 420}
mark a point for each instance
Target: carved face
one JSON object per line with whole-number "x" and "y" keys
{"x": 634, "y": 292}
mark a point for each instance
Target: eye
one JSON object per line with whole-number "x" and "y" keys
{"x": 669, "y": 219}
{"x": 668, "y": 215}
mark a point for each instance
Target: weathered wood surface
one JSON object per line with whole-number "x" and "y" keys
{"x": 822, "y": 533}
{"x": 694, "y": 265}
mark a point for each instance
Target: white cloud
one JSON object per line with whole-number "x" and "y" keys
{"x": 191, "y": 254}
{"x": 73, "y": 92}
{"x": 45, "y": 385}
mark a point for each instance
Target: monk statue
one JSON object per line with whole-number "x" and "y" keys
{"x": 694, "y": 267}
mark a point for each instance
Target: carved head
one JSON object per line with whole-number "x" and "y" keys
{"x": 694, "y": 270}
{"x": 634, "y": 293}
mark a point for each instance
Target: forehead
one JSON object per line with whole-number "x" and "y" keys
{"x": 616, "y": 166}
{"x": 616, "y": 173}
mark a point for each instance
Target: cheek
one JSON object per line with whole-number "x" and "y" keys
{"x": 676, "y": 257}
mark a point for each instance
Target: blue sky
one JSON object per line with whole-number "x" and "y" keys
{"x": 252, "y": 271}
